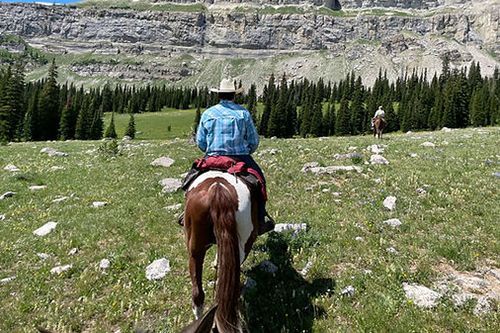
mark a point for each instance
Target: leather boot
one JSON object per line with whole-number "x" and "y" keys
{"x": 266, "y": 224}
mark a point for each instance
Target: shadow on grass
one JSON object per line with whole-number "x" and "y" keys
{"x": 283, "y": 301}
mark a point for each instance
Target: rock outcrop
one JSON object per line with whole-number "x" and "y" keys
{"x": 362, "y": 40}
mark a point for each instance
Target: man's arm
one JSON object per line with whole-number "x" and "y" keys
{"x": 252, "y": 136}
{"x": 201, "y": 135}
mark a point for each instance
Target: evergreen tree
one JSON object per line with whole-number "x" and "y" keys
{"x": 343, "y": 121}
{"x": 66, "y": 130}
{"x": 268, "y": 106}
{"x": 84, "y": 120}
{"x": 359, "y": 118}
{"x": 329, "y": 121}
{"x": 391, "y": 117}
{"x": 252, "y": 102}
{"x": 12, "y": 104}
{"x": 407, "y": 111}
{"x": 480, "y": 106}
{"x": 32, "y": 118}
{"x": 5, "y": 104}
{"x": 111, "y": 131}
{"x": 450, "y": 108}
{"x": 49, "y": 106}
{"x": 131, "y": 127}
{"x": 436, "y": 109}
{"x": 291, "y": 113}
{"x": 277, "y": 120}
{"x": 306, "y": 113}
{"x": 317, "y": 115}
{"x": 494, "y": 110}
{"x": 97, "y": 125}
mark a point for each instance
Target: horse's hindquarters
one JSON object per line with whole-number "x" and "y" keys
{"x": 220, "y": 205}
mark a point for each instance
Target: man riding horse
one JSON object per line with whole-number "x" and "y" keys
{"x": 380, "y": 114}
{"x": 227, "y": 130}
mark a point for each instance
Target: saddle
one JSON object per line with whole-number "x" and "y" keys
{"x": 226, "y": 164}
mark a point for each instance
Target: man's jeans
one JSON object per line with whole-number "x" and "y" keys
{"x": 250, "y": 162}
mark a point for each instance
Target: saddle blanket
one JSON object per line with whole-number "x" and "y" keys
{"x": 232, "y": 166}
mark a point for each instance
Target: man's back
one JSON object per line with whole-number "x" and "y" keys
{"x": 380, "y": 113}
{"x": 227, "y": 129}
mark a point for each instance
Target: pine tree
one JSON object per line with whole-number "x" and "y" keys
{"x": 110, "y": 131}
{"x": 16, "y": 119}
{"x": 317, "y": 115}
{"x": 12, "y": 104}
{"x": 277, "y": 120}
{"x": 291, "y": 112}
{"x": 291, "y": 119}
{"x": 49, "y": 106}
{"x": 358, "y": 120}
{"x": 329, "y": 121}
{"x": 268, "y": 106}
{"x": 450, "y": 106}
{"x": 494, "y": 110}
{"x": 480, "y": 106}
{"x": 391, "y": 117}
{"x": 97, "y": 125}
{"x": 31, "y": 118}
{"x": 130, "y": 132}
{"x": 84, "y": 120}
{"x": 306, "y": 113}
{"x": 66, "y": 131}
{"x": 343, "y": 121}
{"x": 252, "y": 102}
{"x": 5, "y": 104}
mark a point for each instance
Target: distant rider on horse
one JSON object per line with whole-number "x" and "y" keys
{"x": 227, "y": 129}
{"x": 379, "y": 114}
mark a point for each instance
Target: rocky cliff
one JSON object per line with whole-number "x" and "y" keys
{"x": 198, "y": 47}
{"x": 334, "y": 4}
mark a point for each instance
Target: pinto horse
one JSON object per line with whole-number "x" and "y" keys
{"x": 220, "y": 209}
{"x": 378, "y": 127}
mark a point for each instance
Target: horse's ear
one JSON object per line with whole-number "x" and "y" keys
{"x": 204, "y": 324}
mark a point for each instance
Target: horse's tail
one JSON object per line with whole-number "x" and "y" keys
{"x": 222, "y": 213}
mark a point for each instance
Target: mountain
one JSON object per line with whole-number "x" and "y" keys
{"x": 198, "y": 42}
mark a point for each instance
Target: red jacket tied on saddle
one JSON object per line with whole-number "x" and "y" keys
{"x": 231, "y": 166}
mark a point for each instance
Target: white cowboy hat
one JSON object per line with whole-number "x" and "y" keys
{"x": 227, "y": 86}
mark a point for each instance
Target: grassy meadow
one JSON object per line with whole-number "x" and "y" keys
{"x": 155, "y": 125}
{"x": 455, "y": 223}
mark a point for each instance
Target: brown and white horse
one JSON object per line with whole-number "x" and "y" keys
{"x": 378, "y": 127}
{"x": 219, "y": 209}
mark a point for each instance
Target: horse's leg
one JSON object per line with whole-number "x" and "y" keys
{"x": 197, "y": 242}
{"x": 196, "y": 259}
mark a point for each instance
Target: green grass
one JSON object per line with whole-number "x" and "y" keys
{"x": 154, "y": 126}
{"x": 456, "y": 222}
{"x": 143, "y": 6}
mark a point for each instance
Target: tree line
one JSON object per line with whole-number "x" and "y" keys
{"x": 46, "y": 110}
{"x": 455, "y": 98}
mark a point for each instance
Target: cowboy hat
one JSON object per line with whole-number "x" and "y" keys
{"x": 227, "y": 86}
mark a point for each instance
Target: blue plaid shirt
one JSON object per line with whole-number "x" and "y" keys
{"x": 227, "y": 129}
